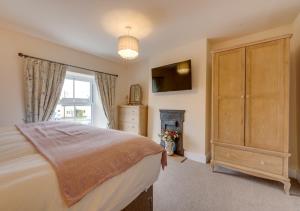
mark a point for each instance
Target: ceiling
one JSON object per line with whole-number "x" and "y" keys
{"x": 93, "y": 25}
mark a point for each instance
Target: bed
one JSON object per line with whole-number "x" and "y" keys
{"x": 28, "y": 181}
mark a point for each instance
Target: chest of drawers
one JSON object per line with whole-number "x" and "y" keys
{"x": 133, "y": 118}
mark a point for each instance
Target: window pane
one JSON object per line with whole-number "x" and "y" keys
{"x": 75, "y": 101}
{"x": 82, "y": 89}
{"x": 83, "y": 114}
{"x": 69, "y": 112}
{"x": 67, "y": 91}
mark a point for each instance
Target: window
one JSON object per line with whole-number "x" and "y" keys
{"x": 76, "y": 100}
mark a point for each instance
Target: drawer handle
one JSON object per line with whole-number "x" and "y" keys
{"x": 262, "y": 162}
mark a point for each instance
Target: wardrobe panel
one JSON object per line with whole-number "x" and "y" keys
{"x": 265, "y": 95}
{"x": 228, "y": 96}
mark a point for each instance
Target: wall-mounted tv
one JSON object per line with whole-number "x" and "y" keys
{"x": 172, "y": 77}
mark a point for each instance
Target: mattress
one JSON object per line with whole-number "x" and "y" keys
{"x": 28, "y": 182}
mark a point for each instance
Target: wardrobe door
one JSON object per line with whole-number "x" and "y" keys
{"x": 267, "y": 95}
{"x": 228, "y": 96}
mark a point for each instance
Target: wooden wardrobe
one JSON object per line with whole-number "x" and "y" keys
{"x": 250, "y": 109}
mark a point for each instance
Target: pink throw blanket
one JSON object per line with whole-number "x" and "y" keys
{"x": 84, "y": 156}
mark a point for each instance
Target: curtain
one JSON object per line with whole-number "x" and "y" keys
{"x": 107, "y": 87}
{"x": 43, "y": 84}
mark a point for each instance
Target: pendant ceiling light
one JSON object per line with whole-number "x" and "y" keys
{"x": 128, "y": 46}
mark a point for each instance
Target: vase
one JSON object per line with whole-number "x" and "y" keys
{"x": 169, "y": 147}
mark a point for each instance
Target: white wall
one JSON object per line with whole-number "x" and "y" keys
{"x": 192, "y": 101}
{"x": 11, "y": 73}
{"x": 139, "y": 75}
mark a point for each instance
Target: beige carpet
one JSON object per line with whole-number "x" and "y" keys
{"x": 190, "y": 186}
{"x": 177, "y": 158}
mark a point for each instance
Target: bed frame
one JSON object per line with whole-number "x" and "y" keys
{"x": 143, "y": 202}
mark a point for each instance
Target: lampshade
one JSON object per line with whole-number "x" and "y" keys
{"x": 128, "y": 47}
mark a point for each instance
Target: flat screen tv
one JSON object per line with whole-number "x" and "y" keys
{"x": 172, "y": 77}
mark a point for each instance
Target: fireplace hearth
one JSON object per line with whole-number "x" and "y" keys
{"x": 173, "y": 120}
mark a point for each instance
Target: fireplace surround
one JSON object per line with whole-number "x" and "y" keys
{"x": 173, "y": 120}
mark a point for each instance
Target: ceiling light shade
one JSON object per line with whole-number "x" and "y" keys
{"x": 128, "y": 47}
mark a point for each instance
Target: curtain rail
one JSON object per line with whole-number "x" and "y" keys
{"x": 69, "y": 65}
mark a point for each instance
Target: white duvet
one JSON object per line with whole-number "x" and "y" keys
{"x": 28, "y": 182}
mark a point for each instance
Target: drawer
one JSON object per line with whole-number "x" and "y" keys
{"x": 253, "y": 160}
{"x": 129, "y": 110}
{"x": 129, "y": 115}
{"x": 129, "y": 118}
{"x": 128, "y": 127}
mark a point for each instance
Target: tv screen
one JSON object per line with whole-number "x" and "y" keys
{"x": 172, "y": 77}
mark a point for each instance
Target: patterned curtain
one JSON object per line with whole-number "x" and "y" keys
{"x": 43, "y": 84}
{"x": 106, "y": 86}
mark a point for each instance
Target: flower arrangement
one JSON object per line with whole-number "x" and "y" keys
{"x": 169, "y": 135}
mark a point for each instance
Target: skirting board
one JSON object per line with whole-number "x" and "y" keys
{"x": 295, "y": 174}
{"x": 197, "y": 157}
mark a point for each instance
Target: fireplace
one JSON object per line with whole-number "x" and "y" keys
{"x": 173, "y": 120}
